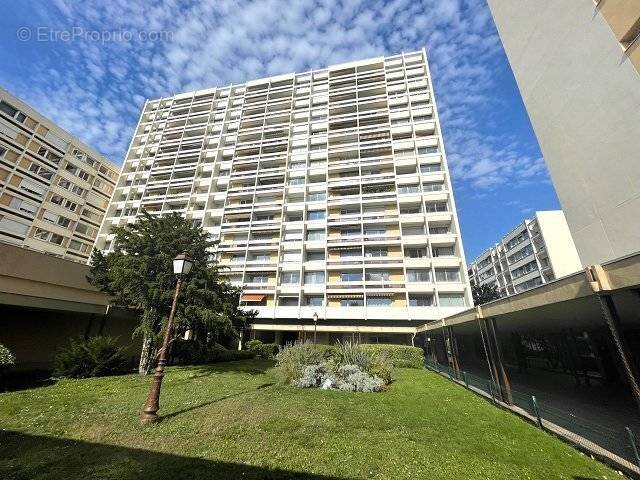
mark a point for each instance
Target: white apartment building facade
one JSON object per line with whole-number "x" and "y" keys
{"x": 537, "y": 251}
{"x": 328, "y": 190}
{"x": 54, "y": 189}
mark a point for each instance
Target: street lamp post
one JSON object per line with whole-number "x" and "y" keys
{"x": 181, "y": 267}
{"x": 315, "y": 326}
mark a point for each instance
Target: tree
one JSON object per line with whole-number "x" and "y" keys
{"x": 138, "y": 274}
{"x": 484, "y": 293}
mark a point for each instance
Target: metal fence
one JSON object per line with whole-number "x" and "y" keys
{"x": 618, "y": 447}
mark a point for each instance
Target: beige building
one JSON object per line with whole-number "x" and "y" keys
{"x": 576, "y": 63}
{"x": 537, "y": 251}
{"x": 54, "y": 190}
{"x": 329, "y": 191}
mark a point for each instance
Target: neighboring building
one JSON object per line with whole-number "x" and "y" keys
{"x": 54, "y": 190}
{"x": 329, "y": 191}
{"x": 576, "y": 63}
{"x": 537, "y": 251}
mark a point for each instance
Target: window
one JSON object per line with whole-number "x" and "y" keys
{"x": 520, "y": 254}
{"x": 63, "y": 202}
{"x": 78, "y": 172}
{"x": 408, "y": 188}
{"x": 288, "y": 301}
{"x": 67, "y": 185}
{"x": 238, "y": 258}
{"x": 8, "y": 109}
{"x": 439, "y": 229}
{"x": 264, "y": 218}
{"x": 374, "y": 231}
{"x": 32, "y": 188}
{"x": 349, "y": 232}
{"x": 316, "y": 196}
{"x": 13, "y": 226}
{"x": 41, "y": 171}
{"x": 420, "y": 300}
{"x": 430, "y": 167}
{"x": 296, "y": 181}
{"x": 314, "y": 277}
{"x": 80, "y": 247}
{"x": 351, "y": 276}
{"x": 289, "y": 278}
{"x": 351, "y": 302}
{"x": 316, "y": 215}
{"x": 415, "y": 275}
{"x": 42, "y": 234}
{"x": 315, "y": 235}
{"x": 433, "y": 187}
{"x": 350, "y": 252}
{"x": 451, "y": 300}
{"x": 524, "y": 269}
{"x": 427, "y": 150}
{"x": 410, "y": 210}
{"x": 258, "y": 278}
{"x": 314, "y": 300}
{"x": 376, "y": 252}
{"x": 433, "y": 207}
{"x": 414, "y": 230}
{"x": 414, "y": 252}
{"x": 378, "y": 302}
{"x": 377, "y": 276}
{"x": 262, "y": 257}
{"x": 315, "y": 256}
{"x": 350, "y": 211}
{"x": 23, "y": 206}
{"x": 443, "y": 251}
{"x": 447, "y": 275}
{"x": 2, "y": 151}
{"x": 56, "y": 219}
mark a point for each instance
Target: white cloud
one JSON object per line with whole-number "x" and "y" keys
{"x": 95, "y": 90}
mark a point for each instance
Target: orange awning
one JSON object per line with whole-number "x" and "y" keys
{"x": 249, "y": 297}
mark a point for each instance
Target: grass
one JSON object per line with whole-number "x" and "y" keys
{"x": 233, "y": 420}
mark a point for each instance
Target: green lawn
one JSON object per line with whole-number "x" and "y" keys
{"x": 233, "y": 421}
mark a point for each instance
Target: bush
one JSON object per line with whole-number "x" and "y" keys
{"x": 346, "y": 366}
{"x": 353, "y": 379}
{"x": 6, "y": 357}
{"x": 293, "y": 359}
{"x": 347, "y": 353}
{"x": 251, "y": 344}
{"x": 191, "y": 352}
{"x": 312, "y": 377}
{"x": 94, "y": 357}
{"x": 266, "y": 350}
{"x": 400, "y": 356}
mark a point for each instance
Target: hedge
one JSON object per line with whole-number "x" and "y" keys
{"x": 401, "y": 356}
{"x": 190, "y": 352}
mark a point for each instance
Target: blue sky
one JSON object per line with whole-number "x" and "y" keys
{"x": 90, "y": 65}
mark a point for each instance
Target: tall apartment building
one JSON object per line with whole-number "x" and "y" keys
{"x": 537, "y": 251}
{"x": 329, "y": 191}
{"x": 577, "y": 66}
{"x": 54, "y": 189}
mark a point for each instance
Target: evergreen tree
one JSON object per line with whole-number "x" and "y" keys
{"x": 138, "y": 274}
{"x": 484, "y": 293}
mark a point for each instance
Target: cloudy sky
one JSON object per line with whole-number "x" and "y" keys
{"x": 90, "y": 65}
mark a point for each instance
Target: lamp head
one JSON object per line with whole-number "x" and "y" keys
{"x": 182, "y": 264}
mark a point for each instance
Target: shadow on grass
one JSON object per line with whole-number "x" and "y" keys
{"x": 13, "y": 380}
{"x": 217, "y": 400}
{"x": 25, "y": 456}
{"x": 251, "y": 367}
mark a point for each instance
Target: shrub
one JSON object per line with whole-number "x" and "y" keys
{"x": 313, "y": 376}
{"x": 6, "y": 357}
{"x": 353, "y": 379}
{"x": 192, "y": 352}
{"x": 251, "y": 344}
{"x": 347, "y": 353}
{"x": 400, "y": 356}
{"x": 266, "y": 350}
{"x": 94, "y": 357}
{"x": 293, "y": 359}
{"x": 382, "y": 368}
